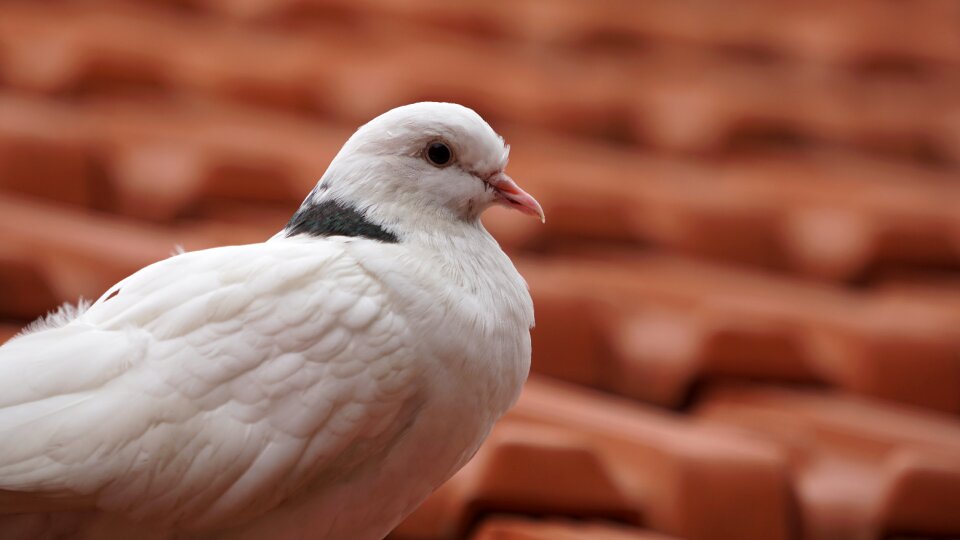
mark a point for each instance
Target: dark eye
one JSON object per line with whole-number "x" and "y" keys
{"x": 439, "y": 154}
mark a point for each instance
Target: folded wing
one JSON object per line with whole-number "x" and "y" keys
{"x": 206, "y": 386}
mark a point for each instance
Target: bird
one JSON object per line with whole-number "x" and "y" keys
{"x": 320, "y": 384}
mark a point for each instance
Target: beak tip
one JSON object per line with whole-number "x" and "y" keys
{"x": 510, "y": 194}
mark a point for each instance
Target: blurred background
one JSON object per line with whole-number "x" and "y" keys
{"x": 747, "y": 289}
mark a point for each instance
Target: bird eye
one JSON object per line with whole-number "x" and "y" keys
{"x": 438, "y": 154}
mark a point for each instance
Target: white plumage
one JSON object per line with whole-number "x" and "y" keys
{"x": 318, "y": 385}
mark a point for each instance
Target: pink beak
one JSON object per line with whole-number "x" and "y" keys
{"x": 509, "y": 194}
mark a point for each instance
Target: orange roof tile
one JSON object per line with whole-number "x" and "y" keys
{"x": 7, "y": 331}
{"x": 860, "y": 466}
{"x": 819, "y": 31}
{"x": 157, "y": 160}
{"x": 566, "y": 450}
{"x": 76, "y": 254}
{"x": 667, "y": 99}
{"x": 651, "y": 326}
{"x": 775, "y": 212}
{"x": 526, "y": 529}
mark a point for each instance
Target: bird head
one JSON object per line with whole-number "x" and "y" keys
{"x": 439, "y": 160}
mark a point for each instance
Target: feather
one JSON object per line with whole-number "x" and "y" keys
{"x": 61, "y": 316}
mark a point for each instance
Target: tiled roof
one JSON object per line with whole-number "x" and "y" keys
{"x": 748, "y": 287}
{"x": 526, "y": 529}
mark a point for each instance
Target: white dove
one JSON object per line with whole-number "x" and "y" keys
{"x": 319, "y": 385}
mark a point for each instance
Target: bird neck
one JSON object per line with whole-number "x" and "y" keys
{"x": 461, "y": 250}
{"x": 469, "y": 256}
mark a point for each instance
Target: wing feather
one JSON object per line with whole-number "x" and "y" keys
{"x": 206, "y": 386}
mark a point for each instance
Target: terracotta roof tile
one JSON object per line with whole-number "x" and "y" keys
{"x": 818, "y": 31}
{"x": 7, "y": 331}
{"x": 83, "y": 48}
{"x": 526, "y": 529}
{"x": 28, "y": 162}
{"x": 666, "y": 99}
{"x": 941, "y": 290}
{"x": 24, "y": 290}
{"x": 544, "y": 470}
{"x": 652, "y": 326}
{"x": 777, "y": 212}
{"x": 562, "y": 444}
{"x": 156, "y": 160}
{"x": 822, "y": 215}
{"x": 52, "y": 255}
{"x": 860, "y": 466}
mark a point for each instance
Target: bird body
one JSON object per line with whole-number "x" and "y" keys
{"x": 317, "y": 385}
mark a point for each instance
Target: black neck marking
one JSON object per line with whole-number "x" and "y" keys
{"x": 332, "y": 218}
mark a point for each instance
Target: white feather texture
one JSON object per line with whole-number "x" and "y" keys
{"x": 57, "y": 318}
{"x": 311, "y": 386}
